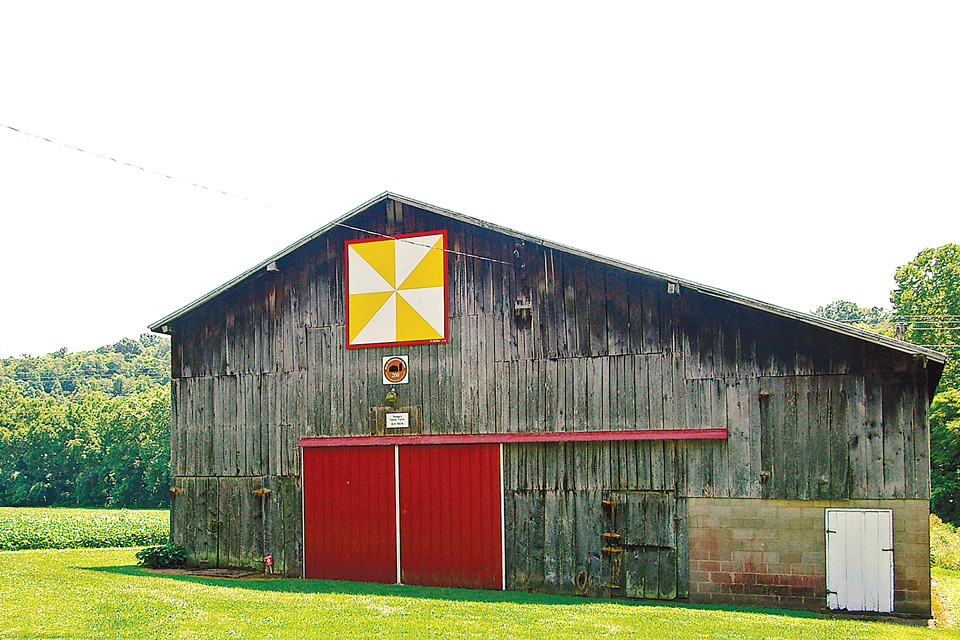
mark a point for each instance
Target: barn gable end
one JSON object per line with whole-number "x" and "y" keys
{"x": 739, "y": 423}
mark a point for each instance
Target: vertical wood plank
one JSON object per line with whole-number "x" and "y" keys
{"x": 652, "y": 292}
{"x": 839, "y": 458}
{"x": 873, "y": 434}
{"x": 857, "y": 445}
{"x": 768, "y": 436}
{"x": 911, "y": 442}
{"x": 571, "y": 345}
{"x": 819, "y": 416}
{"x": 683, "y": 549}
{"x": 617, "y": 311}
{"x": 588, "y": 541}
{"x": 787, "y": 447}
{"x": 801, "y": 485}
{"x": 550, "y": 292}
{"x": 921, "y": 442}
{"x": 597, "y": 309}
{"x": 738, "y": 439}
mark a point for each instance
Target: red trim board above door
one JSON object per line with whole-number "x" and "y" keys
{"x": 555, "y": 436}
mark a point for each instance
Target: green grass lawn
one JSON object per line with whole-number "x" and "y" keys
{"x": 48, "y": 528}
{"x": 101, "y": 593}
{"x": 946, "y": 584}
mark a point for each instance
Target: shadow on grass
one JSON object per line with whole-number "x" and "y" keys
{"x": 337, "y": 587}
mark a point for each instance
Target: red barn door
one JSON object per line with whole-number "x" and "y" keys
{"x": 349, "y": 511}
{"x": 450, "y": 527}
{"x": 450, "y": 522}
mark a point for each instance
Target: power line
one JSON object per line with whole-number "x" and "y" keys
{"x": 80, "y": 375}
{"x": 419, "y": 244}
{"x": 951, "y": 320}
{"x": 131, "y": 165}
{"x": 75, "y": 378}
{"x": 227, "y": 193}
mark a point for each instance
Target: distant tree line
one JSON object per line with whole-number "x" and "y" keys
{"x": 124, "y": 368}
{"x": 926, "y": 310}
{"x": 87, "y": 429}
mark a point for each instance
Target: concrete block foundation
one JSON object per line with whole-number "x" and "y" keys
{"x": 773, "y": 552}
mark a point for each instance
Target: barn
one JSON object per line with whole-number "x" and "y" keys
{"x": 411, "y": 395}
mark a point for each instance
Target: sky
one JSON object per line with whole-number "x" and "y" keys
{"x": 796, "y": 153}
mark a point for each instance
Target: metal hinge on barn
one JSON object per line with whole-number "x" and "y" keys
{"x": 613, "y": 552}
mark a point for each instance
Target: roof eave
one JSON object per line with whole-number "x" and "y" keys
{"x": 157, "y": 326}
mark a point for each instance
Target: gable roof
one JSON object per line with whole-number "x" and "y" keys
{"x": 824, "y": 323}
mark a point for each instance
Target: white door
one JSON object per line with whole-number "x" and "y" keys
{"x": 860, "y": 559}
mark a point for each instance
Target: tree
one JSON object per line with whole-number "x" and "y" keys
{"x": 846, "y": 311}
{"x": 927, "y": 304}
{"x": 945, "y": 456}
{"x": 87, "y": 429}
{"x": 128, "y": 346}
{"x": 123, "y": 368}
{"x": 874, "y": 319}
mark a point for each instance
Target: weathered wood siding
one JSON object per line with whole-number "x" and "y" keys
{"x": 554, "y": 505}
{"x": 810, "y": 413}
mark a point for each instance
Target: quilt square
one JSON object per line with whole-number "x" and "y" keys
{"x": 397, "y": 290}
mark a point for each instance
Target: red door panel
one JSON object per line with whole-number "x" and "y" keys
{"x": 450, "y": 531}
{"x": 349, "y": 507}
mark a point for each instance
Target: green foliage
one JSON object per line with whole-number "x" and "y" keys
{"x": 944, "y": 544}
{"x": 124, "y": 368}
{"x": 75, "y": 528}
{"x": 87, "y": 429}
{"x": 851, "y": 312}
{"x": 874, "y": 319}
{"x": 945, "y": 455}
{"x": 164, "y": 556}
{"x": 101, "y": 593}
{"x": 87, "y": 450}
{"x": 945, "y": 592}
{"x": 927, "y": 300}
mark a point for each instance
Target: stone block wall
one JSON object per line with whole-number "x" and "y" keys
{"x": 773, "y": 552}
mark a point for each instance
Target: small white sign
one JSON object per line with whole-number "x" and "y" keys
{"x": 398, "y": 420}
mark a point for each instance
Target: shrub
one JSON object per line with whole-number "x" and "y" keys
{"x": 944, "y": 544}
{"x": 163, "y": 556}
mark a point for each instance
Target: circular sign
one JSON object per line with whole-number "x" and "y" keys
{"x": 395, "y": 369}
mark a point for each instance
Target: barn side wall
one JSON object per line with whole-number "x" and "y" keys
{"x": 773, "y": 552}
{"x": 811, "y": 414}
{"x": 730, "y": 550}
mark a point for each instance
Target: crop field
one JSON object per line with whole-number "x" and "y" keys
{"x": 45, "y": 528}
{"x": 101, "y": 593}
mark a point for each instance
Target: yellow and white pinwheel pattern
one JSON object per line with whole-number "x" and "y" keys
{"x": 397, "y": 290}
